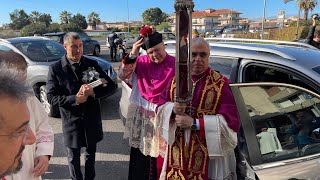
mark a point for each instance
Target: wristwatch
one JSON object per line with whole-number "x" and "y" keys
{"x": 194, "y": 124}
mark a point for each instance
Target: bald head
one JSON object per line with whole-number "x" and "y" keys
{"x": 200, "y": 41}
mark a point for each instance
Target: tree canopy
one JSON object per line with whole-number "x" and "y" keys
{"x": 93, "y": 18}
{"x": 154, "y": 16}
{"x": 306, "y": 6}
{"x": 65, "y": 17}
{"x": 19, "y": 18}
{"x": 79, "y": 20}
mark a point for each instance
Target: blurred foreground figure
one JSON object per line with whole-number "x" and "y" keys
{"x": 15, "y": 132}
{"x": 35, "y": 158}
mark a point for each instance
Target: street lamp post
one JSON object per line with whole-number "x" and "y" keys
{"x": 298, "y": 20}
{"x": 128, "y": 15}
{"x": 263, "y": 19}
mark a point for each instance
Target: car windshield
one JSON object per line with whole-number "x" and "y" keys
{"x": 42, "y": 50}
{"x": 53, "y": 37}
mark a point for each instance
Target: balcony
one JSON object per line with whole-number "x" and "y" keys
{"x": 198, "y": 23}
{"x": 224, "y": 18}
{"x": 228, "y": 18}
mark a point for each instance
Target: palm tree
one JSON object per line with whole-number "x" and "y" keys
{"x": 34, "y": 16}
{"x": 65, "y": 17}
{"x": 306, "y": 6}
{"x": 93, "y": 19}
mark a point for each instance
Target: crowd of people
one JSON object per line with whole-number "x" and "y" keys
{"x": 168, "y": 140}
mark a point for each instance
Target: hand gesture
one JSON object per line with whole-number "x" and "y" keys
{"x": 81, "y": 97}
{"x": 136, "y": 46}
{"x": 179, "y": 108}
{"x": 314, "y": 20}
{"x": 87, "y": 90}
{"x": 184, "y": 121}
{"x": 40, "y": 165}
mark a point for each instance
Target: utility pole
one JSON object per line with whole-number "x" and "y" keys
{"x": 298, "y": 20}
{"x": 263, "y": 19}
{"x": 128, "y": 15}
{"x": 231, "y": 19}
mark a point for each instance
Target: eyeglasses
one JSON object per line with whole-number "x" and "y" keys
{"x": 22, "y": 132}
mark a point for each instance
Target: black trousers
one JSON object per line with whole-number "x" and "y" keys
{"x": 142, "y": 167}
{"x": 113, "y": 52}
{"x": 74, "y": 163}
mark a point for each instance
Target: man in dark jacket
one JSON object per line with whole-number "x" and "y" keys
{"x": 78, "y": 103}
{"x": 314, "y": 36}
{"x": 113, "y": 46}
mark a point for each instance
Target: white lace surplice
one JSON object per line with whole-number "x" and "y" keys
{"x": 140, "y": 124}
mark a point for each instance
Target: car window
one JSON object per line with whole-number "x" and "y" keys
{"x": 55, "y": 38}
{"x": 4, "y": 48}
{"x": 259, "y": 73}
{"x": 286, "y": 121}
{"x": 41, "y": 51}
{"x": 84, "y": 37}
{"x": 223, "y": 65}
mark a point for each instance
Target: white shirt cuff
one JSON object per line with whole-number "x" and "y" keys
{"x": 132, "y": 56}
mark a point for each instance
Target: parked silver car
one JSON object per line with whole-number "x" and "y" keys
{"x": 277, "y": 92}
{"x": 40, "y": 52}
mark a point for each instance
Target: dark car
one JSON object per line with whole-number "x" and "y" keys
{"x": 39, "y": 53}
{"x": 90, "y": 46}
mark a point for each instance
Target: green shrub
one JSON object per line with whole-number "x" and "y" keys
{"x": 70, "y": 28}
{"x": 32, "y": 29}
{"x": 54, "y": 27}
{"x": 285, "y": 34}
{"x": 7, "y": 33}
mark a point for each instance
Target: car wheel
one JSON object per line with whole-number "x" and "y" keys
{"x": 51, "y": 110}
{"x": 96, "y": 51}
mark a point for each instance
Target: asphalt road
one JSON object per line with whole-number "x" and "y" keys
{"x": 112, "y": 157}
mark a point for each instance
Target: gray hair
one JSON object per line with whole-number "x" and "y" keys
{"x": 13, "y": 59}
{"x": 199, "y": 40}
{"x": 67, "y": 39}
{"x": 12, "y": 86}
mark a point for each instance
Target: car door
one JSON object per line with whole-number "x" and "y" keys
{"x": 280, "y": 135}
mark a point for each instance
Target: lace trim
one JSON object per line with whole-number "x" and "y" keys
{"x": 141, "y": 131}
{"x": 45, "y": 139}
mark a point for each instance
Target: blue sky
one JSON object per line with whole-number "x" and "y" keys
{"x": 116, "y": 10}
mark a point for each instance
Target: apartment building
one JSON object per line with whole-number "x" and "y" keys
{"x": 210, "y": 19}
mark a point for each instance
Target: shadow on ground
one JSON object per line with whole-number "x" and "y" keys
{"x": 111, "y": 170}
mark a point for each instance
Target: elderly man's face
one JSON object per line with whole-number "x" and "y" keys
{"x": 157, "y": 53}
{"x": 200, "y": 57}
{"x": 74, "y": 50}
{"x": 15, "y": 133}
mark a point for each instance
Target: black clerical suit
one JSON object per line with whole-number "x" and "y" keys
{"x": 81, "y": 124}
